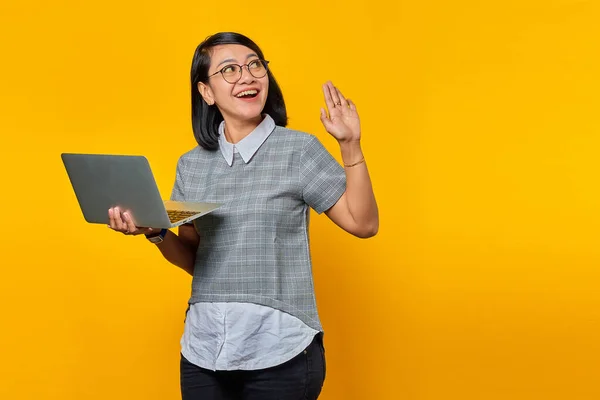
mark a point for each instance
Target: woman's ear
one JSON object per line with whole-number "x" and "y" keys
{"x": 206, "y": 93}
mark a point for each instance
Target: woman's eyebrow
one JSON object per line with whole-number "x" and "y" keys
{"x": 232, "y": 60}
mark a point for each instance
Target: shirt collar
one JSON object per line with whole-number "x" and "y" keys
{"x": 248, "y": 146}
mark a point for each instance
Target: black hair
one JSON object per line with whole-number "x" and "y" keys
{"x": 205, "y": 118}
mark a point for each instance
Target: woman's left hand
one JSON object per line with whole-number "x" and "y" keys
{"x": 343, "y": 122}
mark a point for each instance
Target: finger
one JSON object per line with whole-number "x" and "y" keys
{"x": 334, "y": 94}
{"x": 111, "y": 219}
{"x": 326, "y": 121}
{"x": 328, "y": 100}
{"x": 129, "y": 221}
{"x": 323, "y": 114}
{"x": 118, "y": 219}
{"x": 351, "y": 104}
{"x": 341, "y": 96}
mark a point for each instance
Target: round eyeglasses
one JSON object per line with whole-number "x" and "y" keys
{"x": 233, "y": 72}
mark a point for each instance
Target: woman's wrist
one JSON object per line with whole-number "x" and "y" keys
{"x": 157, "y": 236}
{"x": 351, "y": 153}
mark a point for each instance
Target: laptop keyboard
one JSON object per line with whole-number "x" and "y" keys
{"x": 177, "y": 215}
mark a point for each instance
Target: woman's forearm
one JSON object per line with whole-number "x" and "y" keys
{"x": 359, "y": 190}
{"x": 177, "y": 252}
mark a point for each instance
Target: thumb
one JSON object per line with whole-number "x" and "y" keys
{"x": 326, "y": 122}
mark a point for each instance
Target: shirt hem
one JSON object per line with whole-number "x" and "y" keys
{"x": 254, "y": 366}
{"x": 261, "y": 300}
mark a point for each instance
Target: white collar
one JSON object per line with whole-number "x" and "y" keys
{"x": 248, "y": 146}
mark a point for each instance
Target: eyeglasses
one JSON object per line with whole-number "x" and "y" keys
{"x": 233, "y": 72}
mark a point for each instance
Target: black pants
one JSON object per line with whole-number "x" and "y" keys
{"x": 300, "y": 378}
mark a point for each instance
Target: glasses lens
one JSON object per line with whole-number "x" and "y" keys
{"x": 231, "y": 73}
{"x": 257, "y": 68}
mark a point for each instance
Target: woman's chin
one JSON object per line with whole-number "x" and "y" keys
{"x": 250, "y": 112}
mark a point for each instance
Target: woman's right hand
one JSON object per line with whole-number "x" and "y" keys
{"x": 121, "y": 221}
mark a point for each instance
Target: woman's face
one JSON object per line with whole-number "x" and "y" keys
{"x": 242, "y": 98}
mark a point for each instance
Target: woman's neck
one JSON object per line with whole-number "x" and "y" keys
{"x": 236, "y": 130}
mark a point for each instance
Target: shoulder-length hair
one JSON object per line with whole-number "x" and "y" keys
{"x": 205, "y": 118}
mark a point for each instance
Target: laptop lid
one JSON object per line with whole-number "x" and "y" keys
{"x": 102, "y": 181}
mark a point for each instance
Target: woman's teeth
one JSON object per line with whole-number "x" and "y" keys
{"x": 247, "y": 93}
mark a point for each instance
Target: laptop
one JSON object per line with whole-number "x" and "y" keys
{"x": 102, "y": 181}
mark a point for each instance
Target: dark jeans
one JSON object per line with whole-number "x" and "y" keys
{"x": 300, "y": 378}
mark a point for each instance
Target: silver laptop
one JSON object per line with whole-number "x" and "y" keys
{"x": 102, "y": 181}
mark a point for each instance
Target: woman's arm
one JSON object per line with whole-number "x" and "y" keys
{"x": 179, "y": 250}
{"x": 356, "y": 211}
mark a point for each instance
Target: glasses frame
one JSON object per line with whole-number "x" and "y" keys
{"x": 265, "y": 64}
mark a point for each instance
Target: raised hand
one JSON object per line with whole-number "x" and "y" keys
{"x": 341, "y": 119}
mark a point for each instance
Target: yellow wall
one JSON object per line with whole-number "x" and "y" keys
{"x": 481, "y": 132}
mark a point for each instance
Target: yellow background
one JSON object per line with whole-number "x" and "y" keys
{"x": 480, "y": 125}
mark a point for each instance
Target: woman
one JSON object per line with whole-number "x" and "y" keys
{"x": 252, "y": 329}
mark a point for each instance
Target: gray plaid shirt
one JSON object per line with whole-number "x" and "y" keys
{"x": 255, "y": 248}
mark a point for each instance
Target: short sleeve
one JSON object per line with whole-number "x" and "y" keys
{"x": 177, "y": 193}
{"x": 322, "y": 178}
